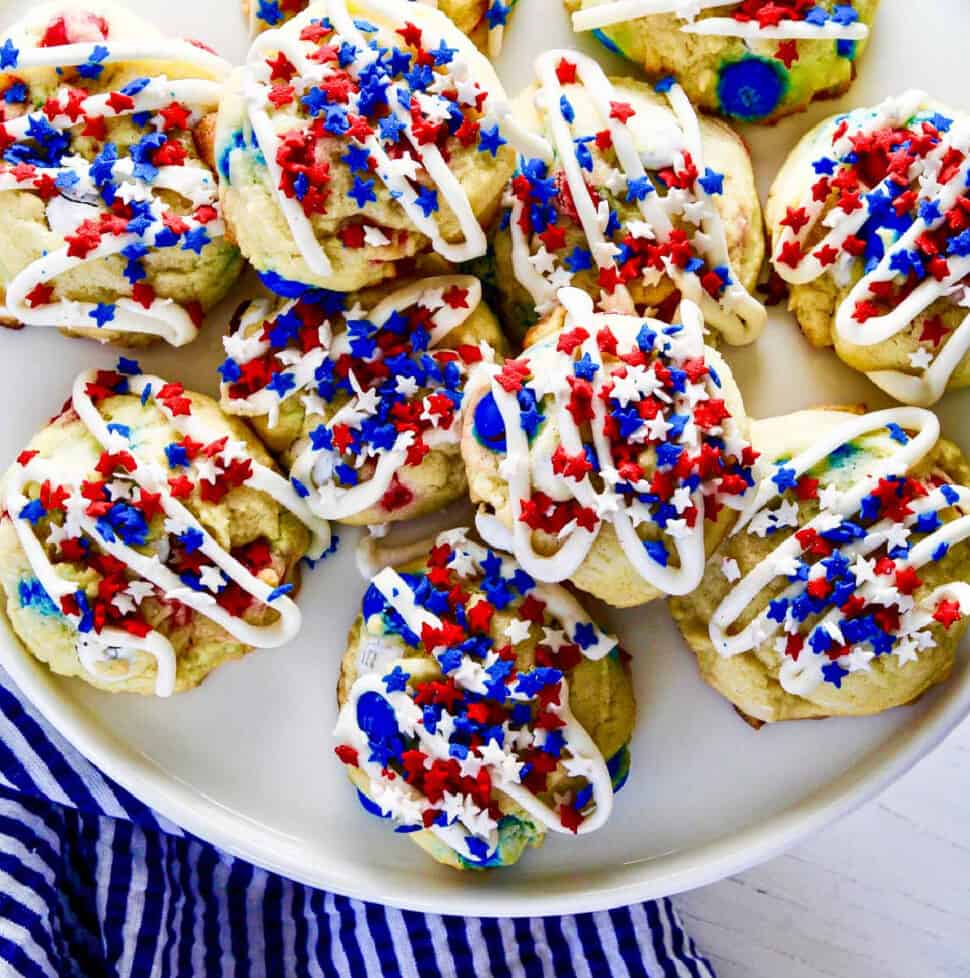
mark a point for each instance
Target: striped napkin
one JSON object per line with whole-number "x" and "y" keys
{"x": 93, "y": 883}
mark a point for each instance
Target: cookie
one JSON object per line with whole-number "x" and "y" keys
{"x": 482, "y": 21}
{"x": 612, "y": 453}
{"x": 346, "y": 151}
{"x": 146, "y": 538}
{"x": 843, "y": 589}
{"x": 870, "y": 224}
{"x": 627, "y": 194}
{"x": 757, "y": 60}
{"x": 480, "y": 710}
{"x": 361, "y": 396}
{"x": 111, "y": 225}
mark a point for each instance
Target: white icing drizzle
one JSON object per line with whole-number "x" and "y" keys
{"x": 802, "y": 676}
{"x": 399, "y": 799}
{"x": 314, "y": 467}
{"x": 192, "y": 181}
{"x": 110, "y": 642}
{"x": 927, "y": 387}
{"x": 619, "y": 11}
{"x": 525, "y": 466}
{"x": 736, "y": 314}
{"x": 72, "y": 55}
{"x": 399, "y": 181}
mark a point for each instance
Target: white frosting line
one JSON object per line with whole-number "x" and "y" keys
{"x": 794, "y": 30}
{"x": 72, "y": 55}
{"x": 619, "y": 11}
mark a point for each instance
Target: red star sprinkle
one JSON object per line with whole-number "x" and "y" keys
{"x": 553, "y": 237}
{"x": 826, "y": 255}
{"x": 95, "y": 128}
{"x": 281, "y": 67}
{"x": 180, "y": 486}
{"x": 807, "y": 488}
{"x": 143, "y": 294}
{"x": 907, "y": 580}
{"x": 934, "y": 329}
{"x": 569, "y": 340}
{"x": 565, "y": 72}
{"x": 120, "y": 103}
{"x": 411, "y": 34}
{"x": 513, "y": 374}
{"x": 710, "y": 413}
{"x": 790, "y": 254}
{"x": 480, "y": 616}
{"x": 947, "y": 613}
{"x": 621, "y": 111}
{"x": 40, "y": 295}
{"x": 795, "y": 218}
{"x": 456, "y": 298}
{"x": 787, "y": 53}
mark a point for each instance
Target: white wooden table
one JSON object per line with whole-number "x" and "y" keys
{"x": 883, "y": 894}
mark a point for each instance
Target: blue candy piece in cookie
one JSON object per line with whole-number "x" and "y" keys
{"x": 751, "y": 88}
{"x": 489, "y": 426}
{"x": 608, "y": 43}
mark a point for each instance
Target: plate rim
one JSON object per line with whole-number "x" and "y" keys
{"x": 491, "y": 894}
{"x": 644, "y": 879}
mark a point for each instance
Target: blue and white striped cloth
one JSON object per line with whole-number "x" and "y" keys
{"x": 93, "y": 883}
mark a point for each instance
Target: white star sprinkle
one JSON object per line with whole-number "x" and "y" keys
{"x": 829, "y": 497}
{"x": 730, "y": 569}
{"x": 921, "y": 358}
{"x": 211, "y": 577}
{"x": 542, "y": 261}
{"x": 406, "y": 386}
{"x": 517, "y": 631}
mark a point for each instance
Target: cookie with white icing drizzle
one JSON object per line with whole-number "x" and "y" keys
{"x": 612, "y": 453}
{"x": 626, "y": 193}
{"x": 146, "y": 537}
{"x": 361, "y": 396}
{"x": 358, "y": 135}
{"x": 481, "y": 710}
{"x": 111, "y": 223}
{"x": 483, "y": 21}
{"x": 756, "y": 60}
{"x": 870, "y": 224}
{"x": 844, "y": 588}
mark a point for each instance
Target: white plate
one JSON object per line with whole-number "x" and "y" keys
{"x": 246, "y": 761}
